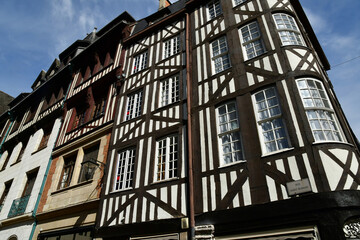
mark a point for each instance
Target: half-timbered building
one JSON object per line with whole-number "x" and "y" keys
{"x": 277, "y": 156}
{"x": 146, "y": 186}
{"x": 28, "y": 133}
{"x": 228, "y": 127}
{"x": 70, "y": 199}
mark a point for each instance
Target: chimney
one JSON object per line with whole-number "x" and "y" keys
{"x": 164, "y": 4}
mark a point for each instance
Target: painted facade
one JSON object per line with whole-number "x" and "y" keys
{"x": 28, "y": 137}
{"x": 70, "y": 200}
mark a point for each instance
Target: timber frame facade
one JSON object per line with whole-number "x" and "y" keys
{"x": 70, "y": 199}
{"x": 255, "y": 115}
{"x": 208, "y": 119}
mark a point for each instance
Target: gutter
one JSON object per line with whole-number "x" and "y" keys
{"x": 189, "y": 129}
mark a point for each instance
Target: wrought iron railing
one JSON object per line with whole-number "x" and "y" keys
{"x": 18, "y": 206}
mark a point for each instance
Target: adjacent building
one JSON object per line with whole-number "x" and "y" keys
{"x": 28, "y": 134}
{"x": 69, "y": 203}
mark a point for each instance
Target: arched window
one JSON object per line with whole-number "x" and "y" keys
{"x": 288, "y": 30}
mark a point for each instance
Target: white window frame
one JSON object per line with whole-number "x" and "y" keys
{"x": 252, "y": 43}
{"x": 140, "y": 62}
{"x": 169, "y": 90}
{"x": 288, "y": 30}
{"x": 171, "y": 46}
{"x": 220, "y": 55}
{"x": 214, "y": 9}
{"x": 229, "y": 134}
{"x": 166, "y": 166}
{"x": 319, "y": 111}
{"x": 271, "y": 126}
{"x": 125, "y": 169}
{"x": 133, "y": 106}
{"x": 238, "y": 2}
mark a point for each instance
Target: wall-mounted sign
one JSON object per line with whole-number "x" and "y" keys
{"x": 298, "y": 187}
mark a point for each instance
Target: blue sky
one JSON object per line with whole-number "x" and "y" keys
{"x": 33, "y": 33}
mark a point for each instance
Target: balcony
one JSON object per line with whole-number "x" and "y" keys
{"x": 18, "y": 206}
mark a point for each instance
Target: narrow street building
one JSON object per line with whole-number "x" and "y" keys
{"x": 69, "y": 203}
{"x": 28, "y": 134}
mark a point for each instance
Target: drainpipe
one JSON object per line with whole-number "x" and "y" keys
{"x": 189, "y": 129}
{"x": 48, "y": 167}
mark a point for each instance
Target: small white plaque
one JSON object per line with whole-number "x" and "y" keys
{"x": 298, "y": 187}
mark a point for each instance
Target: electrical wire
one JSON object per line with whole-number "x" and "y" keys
{"x": 345, "y": 62}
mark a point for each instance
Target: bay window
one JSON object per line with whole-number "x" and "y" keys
{"x": 288, "y": 30}
{"x": 319, "y": 111}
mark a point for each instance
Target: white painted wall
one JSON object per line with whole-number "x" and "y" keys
{"x": 32, "y": 159}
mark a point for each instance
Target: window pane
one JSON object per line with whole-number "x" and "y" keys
{"x": 322, "y": 122}
{"x": 229, "y": 135}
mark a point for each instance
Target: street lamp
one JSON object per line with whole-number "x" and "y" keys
{"x": 88, "y": 168}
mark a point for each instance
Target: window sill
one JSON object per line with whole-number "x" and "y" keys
{"x": 121, "y": 191}
{"x": 233, "y": 164}
{"x": 72, "y": 187}
{"x": 215, "y": 75}
{"x": 39, "y": 149}
{"x": 250, "y": 60}
{"x": 277, "y": 152}
{"x": 332, "y": 142}
{"x": 159, "y": 109}
{"x": 15, "y": 163}
{"x": 165, "y": 180}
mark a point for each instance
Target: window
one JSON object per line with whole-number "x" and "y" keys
{"x": 99, "y": 108}
{"x": 79, "y": 118}
{"x": 220, "y": 56}
{"x": 214, "y": 9}
{"x": 319, "y": 110}
{"x": 134, "y": 105}
{"x": 167, "y": 158}
{"x": 270, "y": 122}
{"x": 30, "y": 183}
{"x": 230, "y": 144}
{"x": 169, "y": 90}
{"x": 90, "y": 154}
{"x": 67, "y": 171}
{"x": 125, "y": 169}
{"x": 140, "y": 62}
{"x": 19, "y": 157}
{"x": 238, "y": 2}
{"x": 7, "y": 157}
{"x": 288, "y": 30}
{"x": 252, "y": 43}
{"x": 172, "y": 46}
{"x": 45, "y": 138}
{"x": 5, "y": 193}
